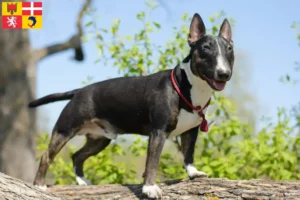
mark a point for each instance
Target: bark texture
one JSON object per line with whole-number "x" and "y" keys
{"x": 18, "y": 64}
{"x": 208, "y": 189}
{"x": 14, "y": 189}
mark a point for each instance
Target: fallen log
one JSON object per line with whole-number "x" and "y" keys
{"x": 208, "y": 188}
{"x": 14, "y": 189}
{"x": 205, "y": 188}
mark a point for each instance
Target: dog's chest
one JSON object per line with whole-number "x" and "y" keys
{"x": 186, "y": 121}
{"x": 200, "y": 94}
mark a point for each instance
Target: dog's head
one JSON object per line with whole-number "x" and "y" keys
{"x": 211, "y": 57}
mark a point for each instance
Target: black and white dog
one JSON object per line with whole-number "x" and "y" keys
{"x": 161, "y": 105}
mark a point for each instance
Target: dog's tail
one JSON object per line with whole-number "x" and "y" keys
{"x": 52, "y": 98}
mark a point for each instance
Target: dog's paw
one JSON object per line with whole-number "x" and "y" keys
{"x": 83, "y": 181}
{"x": 41, "y": 187}
{"x": 194, "y": 173}
{"x": 152, "y": 191}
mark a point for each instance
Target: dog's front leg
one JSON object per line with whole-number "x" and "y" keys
{"x": 188, "y": 142}
{"x": 156, "y": 142}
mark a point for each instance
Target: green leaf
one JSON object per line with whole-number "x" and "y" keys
{"x": 157, "y": 25}
{"x": 98, "y": 60}
{"x": 89, "y": 24}
{"x": 184, "y": 16}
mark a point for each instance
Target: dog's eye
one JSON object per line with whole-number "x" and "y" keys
{"x": 229, "y": 48}
{"x": 206, "y": 47}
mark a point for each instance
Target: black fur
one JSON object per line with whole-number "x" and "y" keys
{"x": 52, "y": 98}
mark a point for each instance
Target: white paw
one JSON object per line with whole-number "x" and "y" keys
{"x": 193, "y": 172}
{"x": 152, "y": 191}
{"x": 41, "y": 187}
{"x": 83, "y": 181}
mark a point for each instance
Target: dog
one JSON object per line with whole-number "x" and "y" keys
{"x": 160, "y": 105}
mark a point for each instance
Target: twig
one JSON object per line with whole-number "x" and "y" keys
{"x": 73, "y": 43}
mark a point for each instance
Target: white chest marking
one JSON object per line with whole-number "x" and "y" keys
{"x": 186, "y": 121}
{"x": 200, "y": 94}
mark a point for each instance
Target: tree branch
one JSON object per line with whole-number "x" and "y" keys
{"x": 80, "y": 16}
{"x": 73, "y": 43}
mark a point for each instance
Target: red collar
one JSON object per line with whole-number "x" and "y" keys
{"x": 198, "y": 109}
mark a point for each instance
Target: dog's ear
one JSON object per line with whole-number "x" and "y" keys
{"x": 197, "y": 29}
{"x": 225, "y": 31}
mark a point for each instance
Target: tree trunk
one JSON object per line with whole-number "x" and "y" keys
{"x": 17, "y": 88}
{"x": 208, "y": 188}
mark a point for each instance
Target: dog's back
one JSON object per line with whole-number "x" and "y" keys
{"x": 125, "y": 101}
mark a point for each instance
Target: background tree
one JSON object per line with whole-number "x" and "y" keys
{"x": 17, "y": 88}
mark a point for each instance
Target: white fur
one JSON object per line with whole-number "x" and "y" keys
{"x": 200, "y": 94}
{"x": 152, "y": 191}
{"x": 200, "y": 91}
{"x": 82, "y": 181}
{"x": 193, "y": 172}
{"x": 42, "y": 187}
{"x": 221, "y": 63}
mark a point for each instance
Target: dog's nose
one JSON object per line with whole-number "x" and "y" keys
{"x": 223, "y": 75}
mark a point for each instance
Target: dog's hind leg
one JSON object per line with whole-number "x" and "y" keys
{"x": 92, "y": 147}
{"x": 58, "y": 140}
{"x": 188, "y": 142}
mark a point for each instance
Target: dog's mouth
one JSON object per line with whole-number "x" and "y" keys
{"x": 216, "y": 85}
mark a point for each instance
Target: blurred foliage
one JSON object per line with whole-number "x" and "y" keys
{"x": 99, "y": 169}
{"x": 288, "y": 78}
{"x": 293, "y": 78}
{"x": 230, "y": 149}
{"x": 295, "y": 26}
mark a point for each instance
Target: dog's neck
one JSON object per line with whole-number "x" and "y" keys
{"x": 200, "y": 90}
